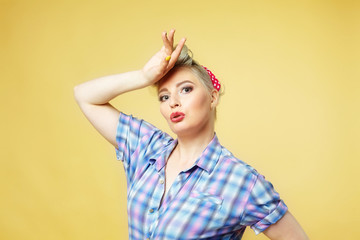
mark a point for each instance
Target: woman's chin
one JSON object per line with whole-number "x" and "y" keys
{"x": 180, "y": 130}
{"x": 185, "y": 131}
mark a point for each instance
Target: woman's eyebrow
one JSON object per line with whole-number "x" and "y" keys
{"x": 177, "y": 85}
{"x": 186, "y": 81}
{"x": 162, "y": 90}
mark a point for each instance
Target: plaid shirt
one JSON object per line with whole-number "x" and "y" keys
{"x": 216, "y": 198}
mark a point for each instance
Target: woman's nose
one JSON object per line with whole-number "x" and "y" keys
{"x": 174, "y": 102}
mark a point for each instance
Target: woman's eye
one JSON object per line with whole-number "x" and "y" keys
{"x": 163, "y": 98}
{"x": 187, "y": 89}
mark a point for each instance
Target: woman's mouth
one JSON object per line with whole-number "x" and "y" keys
{"x": 177, "y": 116}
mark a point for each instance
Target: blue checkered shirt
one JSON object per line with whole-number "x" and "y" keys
{"x": 216, "y": 198}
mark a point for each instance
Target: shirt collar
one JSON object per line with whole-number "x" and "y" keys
{"x": 160, "y": 158}
{"x": 206, "y": 161}
{"x": 210, "y": 156}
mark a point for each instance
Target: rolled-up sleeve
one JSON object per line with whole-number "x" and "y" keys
{"x": 130, "y": 131}
{"x": 264, "y": 206}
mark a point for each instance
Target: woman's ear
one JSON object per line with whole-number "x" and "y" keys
{"x": 214, "y": 98}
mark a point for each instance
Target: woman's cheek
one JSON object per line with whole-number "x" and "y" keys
{"x": 162, "y": 111}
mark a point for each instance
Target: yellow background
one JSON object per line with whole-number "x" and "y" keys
{"x": 290, "y": 109}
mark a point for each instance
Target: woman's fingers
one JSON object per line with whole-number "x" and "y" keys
{"x": 168, "y": 40}
{"x": 176, "y": 53}
{"x": 167, "y": 44}
{"x": 171, "y": 37}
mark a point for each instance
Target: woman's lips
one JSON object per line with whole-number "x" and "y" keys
{"x": 177, "y": 116}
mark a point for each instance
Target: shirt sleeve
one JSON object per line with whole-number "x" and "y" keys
{"x": 264, "y": 206}
{"x": 129, "y": 135}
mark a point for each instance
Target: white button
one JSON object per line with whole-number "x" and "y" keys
{"x": 161, "y": 181}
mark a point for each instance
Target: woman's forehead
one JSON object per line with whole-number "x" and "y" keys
{"x": 176, "y": 76}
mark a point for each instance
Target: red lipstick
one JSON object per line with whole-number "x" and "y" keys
{"x": 177, "y": 116}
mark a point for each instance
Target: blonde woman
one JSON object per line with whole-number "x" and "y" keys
{"x": 190, "y": 187}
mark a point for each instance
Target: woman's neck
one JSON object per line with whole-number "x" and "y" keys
{"x": 189, "y": 148}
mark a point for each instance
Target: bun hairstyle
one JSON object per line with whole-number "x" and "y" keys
{"x": 186, "y": 60}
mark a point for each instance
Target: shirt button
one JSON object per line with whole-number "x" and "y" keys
{"x": 151, "y": 210}
{"x": 148, "y": 239}
{"x": 161, "y": 181}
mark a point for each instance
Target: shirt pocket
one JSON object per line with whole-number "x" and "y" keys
{"x": 204, "y": 198}
{"x": 194, "y": 216}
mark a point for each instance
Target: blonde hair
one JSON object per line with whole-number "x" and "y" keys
{"x": 185, "y": 60}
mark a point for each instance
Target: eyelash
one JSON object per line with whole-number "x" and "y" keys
{"x": 189, "y": 89}
{"x": 161, "y": 98}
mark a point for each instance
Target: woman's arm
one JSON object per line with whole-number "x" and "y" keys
{"x": 93, "y": 96}
{"x": 93, "y": 99}
{"x": 287, "y": 228}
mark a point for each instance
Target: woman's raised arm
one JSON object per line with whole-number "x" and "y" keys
{"x": 93, "y": 96}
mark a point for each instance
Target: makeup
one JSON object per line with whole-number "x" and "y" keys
{"x": 177, "y": 116}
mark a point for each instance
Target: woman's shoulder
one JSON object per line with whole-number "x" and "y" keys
{"x": 141, "y": 125}
{"x": 227, "y": 158}
{"x": 138, "y": 133}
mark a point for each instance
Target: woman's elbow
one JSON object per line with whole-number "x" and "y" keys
{"x": 78, "y": 94}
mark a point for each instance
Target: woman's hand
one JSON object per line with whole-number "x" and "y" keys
{"x": 160, "y": 63}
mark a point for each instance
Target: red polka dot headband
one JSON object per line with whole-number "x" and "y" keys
{"x": 214, "y": 80}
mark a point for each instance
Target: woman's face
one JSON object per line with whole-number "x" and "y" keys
{"x": 185, "y": 103}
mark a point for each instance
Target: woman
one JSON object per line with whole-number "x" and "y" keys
{"x": 191, "y": 187}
